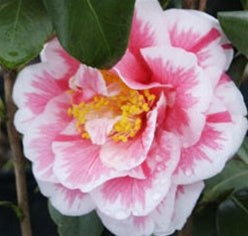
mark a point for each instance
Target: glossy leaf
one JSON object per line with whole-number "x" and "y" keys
{"x": 95, "y": 32}
{"x": 84, "y": 225}
{"x": 237, "y": 68}
{"x": 232, "y": 215}
{"x": 235, "y": 25}
{"x": 203, "y": 223}
{"x": 24, "y": 27}
{"x": 233, "y": 178}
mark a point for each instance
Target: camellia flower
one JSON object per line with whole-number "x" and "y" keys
{"x": 134, "y": 142}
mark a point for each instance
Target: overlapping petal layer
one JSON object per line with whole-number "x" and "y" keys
{"x": 136, "y": 141}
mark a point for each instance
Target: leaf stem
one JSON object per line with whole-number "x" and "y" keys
{"x": 18, "y": 158}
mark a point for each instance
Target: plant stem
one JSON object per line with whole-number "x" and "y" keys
{"x": 18, "y": 158}
{"x": 188, "y": 4}
{"x": 202, "y": 5}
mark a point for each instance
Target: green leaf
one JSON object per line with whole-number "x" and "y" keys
{"x": 245, "y": 4}
{"x": 18, "y": 212}
{"x": 95, "y": 32}
{"x": 203, "y": 223}
{"x": 24, "y": 27}
{"x": 84, "y": 225}
{"x": 237, "y": 68}
{"x": 232, "y": 215}
{"x": 164, "y": 3}
{"x": 235, "y": 25}
{"x": 232, "y": 178}
{"x": 243, "y": 151}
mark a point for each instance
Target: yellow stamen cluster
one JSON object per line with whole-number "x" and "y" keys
{"x": 128, "y": 105}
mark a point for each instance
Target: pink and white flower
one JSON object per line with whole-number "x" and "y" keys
{"x": 135, "y": 142}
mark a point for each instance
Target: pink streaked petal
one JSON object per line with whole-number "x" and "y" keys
{"x": 90, "y": 81}
{"x": 189, "y": 94}
{"x": 224, "y": 42}
{"x": 99, "y": 129}
{"x": 132, "y": 226}
{"x": 127, "y": 155}
{"x": 121, "y": 197}
{"x": 35, "y": 87}
{"x": 186, "y": 198}
{"x": 164, "y": 155}
{"x": 78, "y": 165}
{"x": 219, "y": 142}
{"x": 145, "y": 32}
{"x": 187, "y": 34}
{"x": 125, "y": 196}
{"x": 39, "y": 136}
{"x": 132, "y": 72}
{"x": 162, "y": 215}
{"x": 230, "y": 95}
{"x": 212, "y": 60}
{"x": 203, "y": 39}
{"x": 57, "y": 61}
{"x": 146, "y": 26}
{"x": 67, "y": 201}
{"x": 23, "y": 119}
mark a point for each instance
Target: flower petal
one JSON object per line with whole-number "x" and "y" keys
{"x": 127, "y": 155}
{"x": 66, "y": 201}
{"x": 219, "y": 142}
{"x": 90, "y": 81}
{"x": 146, "y": 26}
{"x": 39, "y": 136}
{"x": 186, "y": 198}
{"x": 132, "y": 226}
{"x": 145, "y": 32}
{"x": 143, "y": 225}
{"x": 57, "y": 61}
{"x": 78, "y": 165}
{"x": 125, "y": 196}
{"x": 234, "y": 102}
{"x": 33, "y": 89}
{"x": 189, "y": 94}
{"x": 224, "y": 42}
{"x": 99, "y": 129}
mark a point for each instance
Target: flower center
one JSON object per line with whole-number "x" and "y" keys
{"x": 125, "y": 106}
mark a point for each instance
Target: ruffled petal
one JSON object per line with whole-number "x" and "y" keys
{"x": 57, "y": 61}
{"x": 78, "y": 165}
{"x": 90, "y": 81}
{"x": 39, "y": 136}
{"x": 186, "y": 198}
{"x": 130, "y": 154}
{"x": 125, "y": 196}
{"x": 203, "y": 39}
{"x": 67, "y": 201}
{"x": 231, "y": 97}
{"x": 224, "y": 42}
{"x": 145, "y": 32}
{"x": 132, "y": 226}
{"x": 146, "y": 26}
{"x": 219, "y": 141}
{"x": 189, "y": 94}
{"x": 33, "y": 89}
